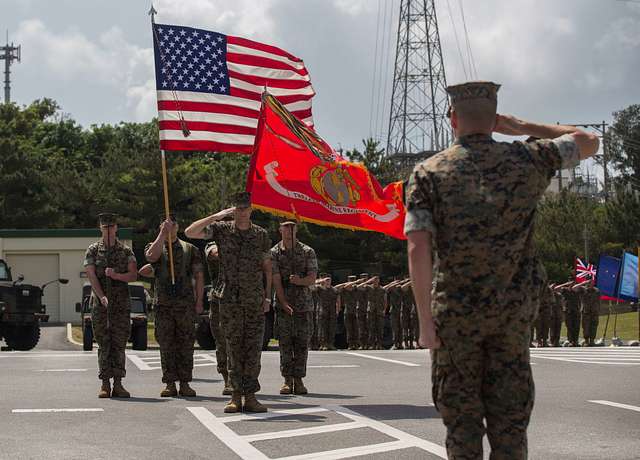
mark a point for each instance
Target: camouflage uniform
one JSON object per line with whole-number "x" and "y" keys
{"x": 242, "y": 253}
{"x": 111, "y": 333}
{"x": 214, "y": 313}
{"x": 174, "y": 308}
{"x": 395, "y": 307}
{"x": 572, "y": 315}
{"x": 376, "y": 316}
{"x": 405, "y": 318}
{"x": 314, "y": 341}
{"x": 556, "y": 319}
{"x": 590, "y": 313}
{"x": 294, "y": 330}
{"x": 349, "y": 304}
{"x": 544, "y": 316}
{"x": 328, "y": 298}
{"x": 362, "y": 299}
{"x": 478, "y": 200}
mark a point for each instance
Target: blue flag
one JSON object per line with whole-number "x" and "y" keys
{"x": 607, "y": 275}
{"x": 628, "y": 286}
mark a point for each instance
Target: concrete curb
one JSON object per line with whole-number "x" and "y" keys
{"x": 70, "y": 335}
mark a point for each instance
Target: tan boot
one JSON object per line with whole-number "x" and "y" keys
{"x": 298, "y": 386}
{"x": 105, "y": 389}
{"x": 118, "y": 390}
{"x": 251, "y": 404}
{"x": 287, "y": 386}
{"x": 228, "y": 389}
{"x": 169, "y": 391}
{"x": 186, "y": 390}
{"x": 235, "y": 405}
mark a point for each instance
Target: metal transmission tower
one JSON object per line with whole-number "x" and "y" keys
{"x": 9, "y": 53}
{"x": 418, "y": 124}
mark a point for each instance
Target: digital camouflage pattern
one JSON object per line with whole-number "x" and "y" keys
{"x": 174, "y": 307}
{"x": 294, "y": 330}
{"x": 111, "y": 334}
{"x": 590, "y": 297}
{"x": 242, "y": 253}
{"x": 214, "y": 311}
{"x": 349, "y": 305}
{"x": 362, "y": 308}
{"x": 375, "y": 316}
{"x": 405, "y": 317}
{"x": 543, "y": 322}
{"x": 572, "y": 314}
{"x": 555, "y": 322}
{"x": 328, "y": 298}
{"x": 478, "y": 200}
{"x": 395, "y": 307}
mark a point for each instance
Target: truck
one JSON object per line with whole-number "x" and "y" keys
{"x": 21, "y": 310}
{"x": 140, "y": 306}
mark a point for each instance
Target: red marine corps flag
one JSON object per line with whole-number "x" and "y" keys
{"x": 296, "y": 174}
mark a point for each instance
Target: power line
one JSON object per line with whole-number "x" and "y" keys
{"x": 375, "y": 68}
{"x": 455, "y": 34}
{"x": 466, "y": 33}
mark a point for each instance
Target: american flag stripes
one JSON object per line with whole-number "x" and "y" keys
{"x": 209, "y": 88}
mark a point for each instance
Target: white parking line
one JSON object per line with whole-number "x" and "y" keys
{"x": 31, "y": 411}
{"x": 329, "y": 366}
{"x": 142, "y": 365}
{"x": 226, "y": 435}
{"x": 62, "y": 370}
{"x": 615, "y": 404}
{"x": 241, "y": 444}
{"x": 395, "y": 361}
{"x": 303, "y": 431}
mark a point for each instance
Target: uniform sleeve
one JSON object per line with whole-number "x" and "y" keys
{"x": 212, "y": 231}
{"x": 196, "y": 261}
{"x": 266, "y": 246}
{"x": 131, "y": 257}
{"x": 419, "y": 202}
{"x": 90, "y": 256}
{"x": 275, "y": 268}
{"x": 312, "y": 262}
{"x": 550, "y": 155}
{"x": 155, "y": 265}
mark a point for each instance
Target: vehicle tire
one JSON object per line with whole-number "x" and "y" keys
{"x": 204, "y": 337}
{"x": 139, "y": 339}
{"x": 23, "y": 337}
{"x": 87, "y": 337}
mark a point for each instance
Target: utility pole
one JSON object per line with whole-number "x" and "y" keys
{"x": 9, "y": 53}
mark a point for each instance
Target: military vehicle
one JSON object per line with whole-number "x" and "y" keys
{"x": 21, "y": 310}
{"x": 140, "y": 306}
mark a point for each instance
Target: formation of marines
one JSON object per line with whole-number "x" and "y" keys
{"x": 475, "y": 290}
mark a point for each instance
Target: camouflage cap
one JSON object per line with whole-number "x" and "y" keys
{"x": 364, "y": 275}
{"x": 284, "y": 222}
{"x": 351, "y": 278}
{"x": 241, "y": 200}
{"x": 107, "y": 219}
{"x": 473, "y": 92}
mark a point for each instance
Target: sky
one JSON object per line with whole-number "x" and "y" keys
{"x": 569, "y": 61}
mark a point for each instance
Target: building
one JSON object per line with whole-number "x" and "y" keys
{"x": 45, "y": 255}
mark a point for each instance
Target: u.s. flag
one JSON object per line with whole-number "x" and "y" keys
{"x": 209, "y": 88}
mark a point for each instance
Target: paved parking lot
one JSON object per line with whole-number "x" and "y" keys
{"x": 366, "y": 404}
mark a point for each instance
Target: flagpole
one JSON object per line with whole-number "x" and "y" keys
{"x": 165, "y": 189}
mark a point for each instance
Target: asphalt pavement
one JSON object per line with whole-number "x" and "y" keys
{"x": 367, "y": 404}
